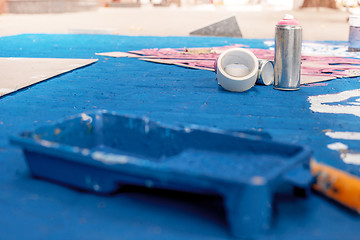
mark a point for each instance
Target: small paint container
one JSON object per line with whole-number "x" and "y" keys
{"x": 354, "y": 34}
{"x": 265, "y": 73}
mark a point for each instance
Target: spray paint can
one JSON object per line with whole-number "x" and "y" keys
{"x": 354, "y": 34}
{"x": 288, "y": 37}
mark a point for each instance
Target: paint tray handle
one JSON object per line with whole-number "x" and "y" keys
{"x": 299, "y": 177}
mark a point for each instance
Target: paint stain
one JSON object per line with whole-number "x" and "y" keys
{"x": 315, "y": 85}
{"x": 57, "y": 131}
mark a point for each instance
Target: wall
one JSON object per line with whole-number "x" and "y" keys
{"x": 3, "y": 6}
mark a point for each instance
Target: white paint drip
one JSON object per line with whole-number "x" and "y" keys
{"x": 344, "y": 135}
{"x": 320, "y": 103}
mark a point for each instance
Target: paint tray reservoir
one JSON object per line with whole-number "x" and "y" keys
{"x": 101, "y": 151}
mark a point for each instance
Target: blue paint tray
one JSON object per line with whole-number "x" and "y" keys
{"x": 103, "y": 150}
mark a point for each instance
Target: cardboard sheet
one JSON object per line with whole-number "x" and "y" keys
{"x": 17, "y": 73}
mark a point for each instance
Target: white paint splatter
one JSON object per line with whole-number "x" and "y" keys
{"x": 344, "y": 135}
{"x": 47, "y": 143}
{"x": 187, "y": 129}
{"x": 321, "y": 104}
{"x": 337, "y": 146}
{"x": 86, "y": 118}
{"x": 327, "y": 104}
{"x": 345, "y": 155}
{"x": 110, "y": 158}
{"x": 147, "y": 127}
{"x": 351, "y": 158}
{"x": 96, "y": 187}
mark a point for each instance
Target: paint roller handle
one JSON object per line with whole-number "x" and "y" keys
{"x": 336, "y": 184}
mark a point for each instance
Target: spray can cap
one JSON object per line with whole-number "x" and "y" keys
{"x": 288, "y": 20}
{"x": 354, "y": 20}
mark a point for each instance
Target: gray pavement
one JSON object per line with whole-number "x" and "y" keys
{"x": 318, "y": 24}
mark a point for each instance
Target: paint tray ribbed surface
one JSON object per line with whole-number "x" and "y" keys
{"x": 101, "y": 151}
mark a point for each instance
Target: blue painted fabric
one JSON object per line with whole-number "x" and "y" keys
{"x": 35, "y": 209}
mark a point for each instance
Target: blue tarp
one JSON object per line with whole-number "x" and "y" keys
{"x": 35, "y": 209}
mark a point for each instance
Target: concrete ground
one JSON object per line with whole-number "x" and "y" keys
{"x": 254, "y": 22}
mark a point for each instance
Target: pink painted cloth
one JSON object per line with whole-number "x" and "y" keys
{"x": 313, "y": 68}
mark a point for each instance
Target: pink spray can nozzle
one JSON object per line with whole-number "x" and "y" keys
{"x": 288, "y": 20}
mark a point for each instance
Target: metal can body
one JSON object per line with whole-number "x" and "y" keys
{"x": 354, "y": 33}
{"x": 287, "y": 57}
{"x": 354, "y": 39}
